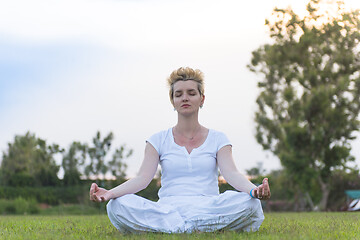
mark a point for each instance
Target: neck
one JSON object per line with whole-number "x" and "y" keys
{"x": 188, "y": 124}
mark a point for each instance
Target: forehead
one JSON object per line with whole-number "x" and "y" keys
{"x": 185, "y": 85}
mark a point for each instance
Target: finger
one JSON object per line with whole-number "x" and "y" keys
{"x": 97, "y": 198}
{"x": 264, "y": 181}
{"x": 92, "y": 188}
{"x": 96, "y": 187}
{"x": 260, "y": 193}
{"x": 266, "y": 187}
{"x": 92, "y": 197}
{"x": 256, "y": 192}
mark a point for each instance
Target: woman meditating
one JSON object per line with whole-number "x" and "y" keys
{"x": 190, "y": 155}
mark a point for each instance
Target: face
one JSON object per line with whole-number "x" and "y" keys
{"x": 186, "y": 96}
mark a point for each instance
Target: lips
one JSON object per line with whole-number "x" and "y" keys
{"x": 185, "y": 105}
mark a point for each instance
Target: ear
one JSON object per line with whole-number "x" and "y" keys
{"x": 202, "y": 100}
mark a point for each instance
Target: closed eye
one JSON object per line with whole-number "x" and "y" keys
{"x": 192, "y": 92}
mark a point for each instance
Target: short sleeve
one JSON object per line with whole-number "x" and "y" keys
{"x": 222, "y": 140}
{"x": 156, "y": 141}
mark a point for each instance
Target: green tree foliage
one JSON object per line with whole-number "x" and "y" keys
{"x": 256, "y": 171}
{"x": 72, "y": 160}
{"x": 97, "y": 155}
{"x": 99, "y": 165}
{"x": 309, "y": 97}
{"x": 117, "y": 166}
{"x": 29, "y": 161}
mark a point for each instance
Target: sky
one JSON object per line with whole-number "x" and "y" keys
{"x": 71, "y": 68}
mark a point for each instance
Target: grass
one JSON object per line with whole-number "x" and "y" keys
{"x": 338, "y": 225}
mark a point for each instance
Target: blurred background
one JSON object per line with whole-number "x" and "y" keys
{"x": 83, "y": 85}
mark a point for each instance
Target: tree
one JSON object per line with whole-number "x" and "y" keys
{"x": 116, "y": 166}
{"x": 309, "y": 97}
{"x": 256, "y": 171}
{"x": 99, "y": 164}
{"x": 97, "y": 155}
{"x": 29, "y": 161}
{"x": 72, "y": 160}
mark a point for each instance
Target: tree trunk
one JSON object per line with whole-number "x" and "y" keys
{"x": 309, "y": 200}
{"x": 325, "y": 189}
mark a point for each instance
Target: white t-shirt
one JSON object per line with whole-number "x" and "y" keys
{"x": 184, "y": 174}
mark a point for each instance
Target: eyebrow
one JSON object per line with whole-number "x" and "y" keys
{"x": 188, "y": 90}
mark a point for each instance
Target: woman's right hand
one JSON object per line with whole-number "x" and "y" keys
{"x": 98, "y": 194}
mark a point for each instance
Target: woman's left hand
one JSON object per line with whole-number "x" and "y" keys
{"x": 262, "y": 191}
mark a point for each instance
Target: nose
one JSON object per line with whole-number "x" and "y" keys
{"x": 185, "y": 97}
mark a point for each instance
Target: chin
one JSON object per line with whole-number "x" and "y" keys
{"x": 187, "y": 112}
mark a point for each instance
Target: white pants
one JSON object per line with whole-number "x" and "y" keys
{"x": 230, "y": 210}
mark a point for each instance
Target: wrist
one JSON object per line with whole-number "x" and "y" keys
{"x": 110, "y": 194}
{"x": 251, "y": 195}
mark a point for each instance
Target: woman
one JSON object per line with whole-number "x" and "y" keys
{"x": 189, "y": 155}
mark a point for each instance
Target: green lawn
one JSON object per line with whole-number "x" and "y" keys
{"x": 275, "y": 226}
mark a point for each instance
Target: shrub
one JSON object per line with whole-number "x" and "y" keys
{"x": 18, "y": 206}
{"x": 49, "y": 195}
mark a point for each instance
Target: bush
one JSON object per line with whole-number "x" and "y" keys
{"x": 18, "y": 206}
{"x": 49, "y": 195}
{"x": 5, "y": 207}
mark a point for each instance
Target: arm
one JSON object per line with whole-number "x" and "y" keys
{"x": 146, "y": 173}
{"x": 236, "y": 179}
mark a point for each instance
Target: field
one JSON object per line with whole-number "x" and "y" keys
{"x": 276, "y": 226}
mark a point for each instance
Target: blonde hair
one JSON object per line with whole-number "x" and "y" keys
{"x": 185, "y": 74}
